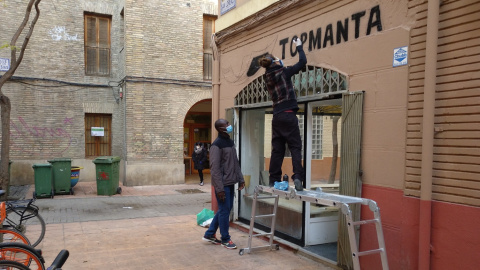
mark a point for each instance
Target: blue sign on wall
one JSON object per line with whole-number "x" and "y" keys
{"x": 4, "y": 64}
{"x": 227, "y": 5}
{"x": 400, "y": 56}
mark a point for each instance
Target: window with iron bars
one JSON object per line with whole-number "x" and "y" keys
{"x": 317, "y": 136}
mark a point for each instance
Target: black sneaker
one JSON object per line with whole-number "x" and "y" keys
{"x": 229, "y": 245}
{"x": 212, "y": 239}
{"x": 298, "y": 184}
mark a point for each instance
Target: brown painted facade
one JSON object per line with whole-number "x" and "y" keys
{"x": 358, "y": 39}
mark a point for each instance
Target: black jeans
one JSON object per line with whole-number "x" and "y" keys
{"x": 200, "y": 173}
{"x": 285, "y": 130}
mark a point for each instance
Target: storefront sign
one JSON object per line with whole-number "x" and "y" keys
{"x": 336, "y": 33}
{"x": 400, "y": 56}
{"x": 227, "y": 5}
{"x": 98, "y": 131}
{"x": 4, "y": 64}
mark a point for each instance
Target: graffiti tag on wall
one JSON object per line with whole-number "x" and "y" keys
{"x": 60, "y": 33}
{"x": 37, "y": 140}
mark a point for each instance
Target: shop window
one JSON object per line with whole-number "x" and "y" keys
{"x": 317, "y": 135}
{"x": 97, "y": 45}
{"x": 98, "y": 135}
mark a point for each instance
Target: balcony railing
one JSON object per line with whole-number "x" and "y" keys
{"x": 210, "y": 8}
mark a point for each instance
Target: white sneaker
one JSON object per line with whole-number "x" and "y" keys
{"x": 201, "y": 183}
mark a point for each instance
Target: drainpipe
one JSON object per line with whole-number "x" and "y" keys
{"x": 425, "y": 219}
{"x": 215, "y": 108}
{"x": 125, "y": 162}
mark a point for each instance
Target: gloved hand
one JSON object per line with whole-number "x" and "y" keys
{"x": 297, "y": 41}
{"x": 241, "y": 186}
{"x": 221, "y": 196}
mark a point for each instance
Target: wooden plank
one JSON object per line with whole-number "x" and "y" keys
{"x": 468, "y": 118}
{"x": 452, "y": 58}
{"x": 412, "y": 185}
{"x": 458, "y": 159}
{"x": 455, "y": 199}
{"x": 454, "y": 86}
{"x": 457, "y": 150}
{"x": 411, "y": 192}
{"x": 459, "y": 73}
{"x": 451, "y": 166}
{"x": 412, "y": 178}
{"x": 458, "y": 42}
{"x": 456, "y": 183}
{"x": 470, "y": 176}
{"x": 458, "y": 102}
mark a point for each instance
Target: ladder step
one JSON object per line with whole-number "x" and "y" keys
{"x": 261, "y": 234}
{"x": 368, "y": 252}
{"x": 266, "y": 197}
{"x": 363, "y": 222}
{"x": 261, "y": 216}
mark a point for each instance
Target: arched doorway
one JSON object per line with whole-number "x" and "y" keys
{"x": 197, "y": 128}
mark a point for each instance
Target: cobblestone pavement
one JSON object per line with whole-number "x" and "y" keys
{"x": 127, "y": 207}
{"x": 150, "y": 227}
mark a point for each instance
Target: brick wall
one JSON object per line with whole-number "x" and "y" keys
{"x": 155, "y": 45}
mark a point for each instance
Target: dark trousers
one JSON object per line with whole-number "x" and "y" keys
{"x": 222, "y": 217}
{"x": 200, "y": 173}
{"x": 285, "y": 130}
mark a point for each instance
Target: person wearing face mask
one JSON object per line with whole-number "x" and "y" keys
{"x": 199, "y": 158}
{"x": 225, "y": 172}
{"x": 278, "y": 79}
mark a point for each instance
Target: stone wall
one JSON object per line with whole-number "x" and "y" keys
{"x": 156, "y": 76}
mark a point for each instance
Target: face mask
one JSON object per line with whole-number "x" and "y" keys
{"x": 279, "y": 61}
{"x": 229, "y": 129}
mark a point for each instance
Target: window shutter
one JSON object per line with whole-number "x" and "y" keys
{"x": 97, "y": 45}
{"x": 91, "y": 60}
{"x": 103, "y": 33}
{"x": 207, "y": 33}
{"x": 91, "y": 33}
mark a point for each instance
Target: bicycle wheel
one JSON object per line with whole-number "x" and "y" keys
{"x": 28, "y": 221}
{"x": 23, "y": 254}
{"x": 7, "y": 235}
{"x": 12, "y": 265}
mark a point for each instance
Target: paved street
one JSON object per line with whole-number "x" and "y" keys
{"x": 127, "y": 207}
{"x": 147, "y": 228}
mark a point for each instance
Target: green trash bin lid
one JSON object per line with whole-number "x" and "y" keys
{"x": 60, "y": 160}
{"x": 41, "y": 165}
{"x": 106, "y": 159}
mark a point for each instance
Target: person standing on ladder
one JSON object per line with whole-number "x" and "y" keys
{"x": 285, "y": 127}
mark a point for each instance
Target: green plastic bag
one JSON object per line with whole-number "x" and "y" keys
{"x": 204, "y": 215}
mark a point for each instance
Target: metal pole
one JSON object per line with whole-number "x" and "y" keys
{"x": 425, "y": 218}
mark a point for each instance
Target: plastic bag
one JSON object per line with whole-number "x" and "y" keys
{"x": 206, "y": 223}
{"x": 281, "y": 185}
{"x": 204, "y": 215}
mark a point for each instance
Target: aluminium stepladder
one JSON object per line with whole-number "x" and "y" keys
{"x": 339, "y": 201}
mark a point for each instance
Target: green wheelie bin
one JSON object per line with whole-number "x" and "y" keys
{"x": 107, "y": 170}
{"x": 43, "y": 180}
{"x": 62, "y": 169}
